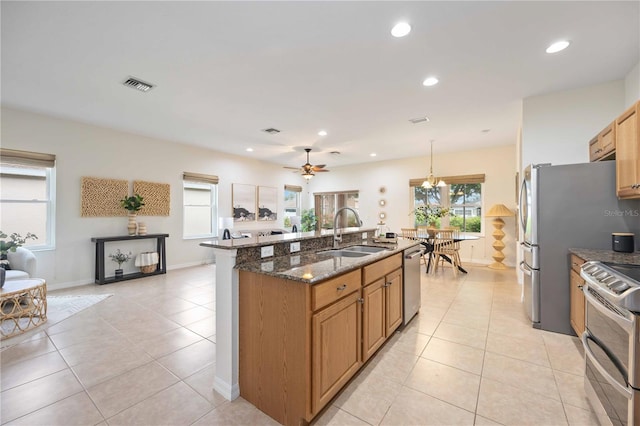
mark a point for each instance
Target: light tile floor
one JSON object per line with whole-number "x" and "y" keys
{"x": 146, "y": 356}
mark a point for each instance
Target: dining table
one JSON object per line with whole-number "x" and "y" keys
{"x": 427, "y": 241}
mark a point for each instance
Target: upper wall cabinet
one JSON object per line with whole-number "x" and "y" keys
{"x": 627, "y": 132}
{"x": 603, "y": 146}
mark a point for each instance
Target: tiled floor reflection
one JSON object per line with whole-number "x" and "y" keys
{"x": 146, "y": 356}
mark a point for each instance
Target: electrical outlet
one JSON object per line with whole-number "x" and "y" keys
{"x": 294, "y": 260}
{"x": 294, "y": 247}
{"x": 266, "y": 266}
{"x": 364, "y": 235}
{"x": 266, "y": 251}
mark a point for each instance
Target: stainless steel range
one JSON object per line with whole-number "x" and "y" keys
{"x": 612, "y": 341}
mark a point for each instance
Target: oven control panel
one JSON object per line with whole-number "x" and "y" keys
{"x": 619, "y": 288}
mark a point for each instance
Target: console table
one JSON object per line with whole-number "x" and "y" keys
{"x": 160, "y": 248}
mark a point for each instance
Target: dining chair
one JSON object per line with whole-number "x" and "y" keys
{"x": 409, "y": 233}
{"x": 445, "y": 244}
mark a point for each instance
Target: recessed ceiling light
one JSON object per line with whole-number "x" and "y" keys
{"x": 558, "y": 46}
{"x": 322, "y": 133}
{"x": 486, "y": 130}
{"x": 430, "y": 81}
{"x": 249, "y": 149}
{"x": 373, "y": 154}
{"x": 401, "y": 29}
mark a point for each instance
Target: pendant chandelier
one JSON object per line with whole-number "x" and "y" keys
{"x": 431, "y": 181}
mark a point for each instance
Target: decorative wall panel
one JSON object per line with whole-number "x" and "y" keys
{"x": 156, "y": 197}
{"x": 101, "y": 197}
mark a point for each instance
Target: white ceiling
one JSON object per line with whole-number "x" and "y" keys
{"x": 226, "y": 70}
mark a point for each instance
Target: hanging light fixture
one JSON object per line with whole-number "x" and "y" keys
{"x": 431, "y": 180}
{"x": 308, "y": 175}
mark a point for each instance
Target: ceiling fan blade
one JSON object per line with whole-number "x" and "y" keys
{"x": 319, "y": 166}
{"x": 291, "y": 168}
{"x": 321, "y": 170}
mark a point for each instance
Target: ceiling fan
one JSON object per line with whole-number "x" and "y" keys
{"x": 309, "y": 170}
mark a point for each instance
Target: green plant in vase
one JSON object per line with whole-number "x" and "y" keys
{"x": 132, "y": 204}
{"x": 120, "y": 258}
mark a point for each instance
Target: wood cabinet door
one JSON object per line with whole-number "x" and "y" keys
{"x": 594, "y": 149}
{"x": 577, "y": 303}
{"x": 607, "y": 139}
{"x": 373, "y": 318}
{"x": 628, "y": 154}
{"x": 393, "y": 301}
{"x": 336, "y": 332}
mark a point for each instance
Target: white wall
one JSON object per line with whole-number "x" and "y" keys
{"x": 632, "y": 86}
{"x": 557, "y": 127}
{"x": 86, "y": 150}
{"x": 497, "y": 163}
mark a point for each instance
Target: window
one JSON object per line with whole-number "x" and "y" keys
{"x": 328, "y": 203}
{"x": 462, "y": 196}
{"x": 27, "y": 202}
{"x": 465, "y": 201}
{"x": 200, "y": 205}
{"x": 291, "y": 203}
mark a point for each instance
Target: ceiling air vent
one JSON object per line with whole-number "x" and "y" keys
{"x": 419, "y": 120}
{"x": 140, "y": 85}
{"x": 271, "y": 131}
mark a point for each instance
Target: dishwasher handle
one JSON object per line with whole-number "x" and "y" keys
{"x": 413, "y": 254}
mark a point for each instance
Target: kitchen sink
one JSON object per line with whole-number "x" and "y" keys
{"x": 343, "y": 253}
{"x": 364, "y": 249}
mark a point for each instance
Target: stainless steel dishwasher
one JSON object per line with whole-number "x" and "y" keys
{"x": 411, "y": 289}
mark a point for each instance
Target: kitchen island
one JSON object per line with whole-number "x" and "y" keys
{"x": 240, "y": 260}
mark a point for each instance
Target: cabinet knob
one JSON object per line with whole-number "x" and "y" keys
{"x": 361, "y": 300}
{"x": 342, "y": 287}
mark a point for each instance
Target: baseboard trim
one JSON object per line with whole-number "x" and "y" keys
{"x": 230, "y": 392}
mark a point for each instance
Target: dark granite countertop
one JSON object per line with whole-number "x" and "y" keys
{"x": 314, "y": 267}
{"x": 258, "y": 240}
{"x": 607, "y": 256}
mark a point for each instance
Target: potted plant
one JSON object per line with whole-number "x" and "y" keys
{"x": 120, "y": 258}
{"x": 14, "y": 241}
{"x": 132, "y": 204}
{"x": 10, "y": 243}
{"x": 308, "y": 220}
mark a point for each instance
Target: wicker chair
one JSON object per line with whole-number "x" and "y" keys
{"x": 445, "y": 245}
{"x": 409, "y": 233}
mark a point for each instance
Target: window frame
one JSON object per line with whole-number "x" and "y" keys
{"x": 213, "y": 206}
{"x": 36, "y": 161}
{"x": 319, "y": 210}
{"x": 445, "y": 197}
{"x": 297, "y": 190}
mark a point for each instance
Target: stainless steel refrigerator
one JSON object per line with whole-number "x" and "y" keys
{"x": 563, "y": 207}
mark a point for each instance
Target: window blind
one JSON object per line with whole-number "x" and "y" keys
{"x": 293, "y": 188}
{"x": 26, "y": 158}
{"x": 478, "y": 178}
{"x": 199, "y": 177}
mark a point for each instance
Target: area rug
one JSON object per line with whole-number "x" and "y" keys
{"x": 58, "y": 308}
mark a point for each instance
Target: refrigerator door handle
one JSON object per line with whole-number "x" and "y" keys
{"x": 524, "y": 210}
{"x": 526, "y": 247}
{"x": 525, "y": 269}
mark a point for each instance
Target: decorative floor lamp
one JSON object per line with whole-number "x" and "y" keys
{"x": 498, "y": 211}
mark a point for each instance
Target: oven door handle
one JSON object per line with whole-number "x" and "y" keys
{"x": 624, "y": 390}
{"x": 623, "y": 322}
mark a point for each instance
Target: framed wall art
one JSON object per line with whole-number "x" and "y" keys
{"x": 243, "y": 199}
{"x": 267, "y": 203}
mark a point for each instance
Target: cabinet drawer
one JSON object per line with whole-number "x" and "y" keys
{"x": 381, "y": 268}
{"x": 329, "y": 291}
{"x": 576, "y": 263}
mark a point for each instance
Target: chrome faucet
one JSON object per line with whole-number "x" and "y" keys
{"x": 337, "y": 238}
